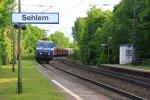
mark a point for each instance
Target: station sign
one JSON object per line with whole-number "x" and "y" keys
{"x": 34, "y": 18}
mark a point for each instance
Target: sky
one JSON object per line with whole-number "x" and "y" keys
{"x": 68, "y": 11}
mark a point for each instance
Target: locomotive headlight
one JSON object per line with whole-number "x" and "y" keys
{"x": 40, "y": 53}
{"x": 49, "y": 54}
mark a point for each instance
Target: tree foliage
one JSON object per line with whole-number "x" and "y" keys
{"x": 127, "y": 24}
{"x": 89, "y": 34}
{"x": 60, "y": 40}
{"x": 6, "y": 7}
{"x": 131, "y": 21}
{"x": 143, "y": 29}
{"x": 29, "y": 39}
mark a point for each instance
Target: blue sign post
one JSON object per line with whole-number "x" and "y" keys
{"x": 29, "y": 18}
{"x": 34, "y": 18}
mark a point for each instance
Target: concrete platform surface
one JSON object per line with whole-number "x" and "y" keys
{"x": 71, "y": 89}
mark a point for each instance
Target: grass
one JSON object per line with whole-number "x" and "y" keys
{"x": 141, "y": 67}
{"x": 35, "y": 86}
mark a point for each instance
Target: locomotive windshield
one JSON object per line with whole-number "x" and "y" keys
{"x": 44, "y": 45}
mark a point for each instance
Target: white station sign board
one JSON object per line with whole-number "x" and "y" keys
{"x": 34, "y": 18}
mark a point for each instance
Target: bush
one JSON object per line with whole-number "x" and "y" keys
{"x": 141, "y": 61}
{"x": 102, "y": 59}
{"x": 29, "y": 56}
{"x": 147, "y": 62}
{"x": 76, "y": 55}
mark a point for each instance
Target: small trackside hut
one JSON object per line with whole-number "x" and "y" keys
{"x": 127, "y": 54}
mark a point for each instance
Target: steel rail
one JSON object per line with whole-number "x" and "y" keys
{"x": 118, "y": 91}
{"x": 125, "y": 77}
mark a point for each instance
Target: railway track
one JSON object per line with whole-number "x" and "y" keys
{"x": 118, "y": 91}
{"x": 141, "y": 81}
{"x": 125, "y": 70}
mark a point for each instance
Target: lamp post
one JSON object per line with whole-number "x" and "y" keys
{"x": 108, "y": 47}
{"x": 103, "y": 46}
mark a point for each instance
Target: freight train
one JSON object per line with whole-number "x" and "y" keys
{"x": 44, "y": 50}
{"x": 61, "y": 52}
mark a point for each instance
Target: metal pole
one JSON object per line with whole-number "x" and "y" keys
{"x": 12, "y": 49}
{"x": 108, "y": 50}
{"x": 134, "y": 21}
{"x": 134, "y": 28}
{"x": 70, "y": 45}
{"x": 15, "y": 46}
{"x": 13, "y": 67}
{"x": 104, "y": 53}
{"x": 19, "y": 53}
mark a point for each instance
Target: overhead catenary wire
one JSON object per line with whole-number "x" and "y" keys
{"x": 73, "y": 7}
{"x": 46, "y": 9}
{"x": 55, "y": 6}
{"x": 35, "y": 5}
{"x": 104, "y": 4}
{"x": 40, "y": 6}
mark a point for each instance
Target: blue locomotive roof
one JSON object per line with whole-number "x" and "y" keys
{"x": 43, "y": 41}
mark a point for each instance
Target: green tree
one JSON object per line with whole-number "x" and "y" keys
{"x": 98, "y": 19}
{"x": 60, "y": 40}
{"x": 127, "y": 24}
{"x": 29, "y": 39}
{"x": 80, "y": 38}
{"x": 125, "y": 28}
{"x": 6, "y": 7}
{"x": 142, "y": 34}
{"x": 90, "y": 34}
{"x": 121, "y": 27}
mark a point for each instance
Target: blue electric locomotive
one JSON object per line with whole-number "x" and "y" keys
{"x": 44, "y": 50}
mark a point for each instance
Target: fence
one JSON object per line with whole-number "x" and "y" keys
{"x": 141, "y": 61}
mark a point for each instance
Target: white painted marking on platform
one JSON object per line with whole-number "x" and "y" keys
{"x": 67, "y": 90}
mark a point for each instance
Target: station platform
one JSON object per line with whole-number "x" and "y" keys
{"x": 71, "y": 89}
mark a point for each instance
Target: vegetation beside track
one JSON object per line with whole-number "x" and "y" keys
{"x": 35, "y": 86}
{"x": 141, "y": 67}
